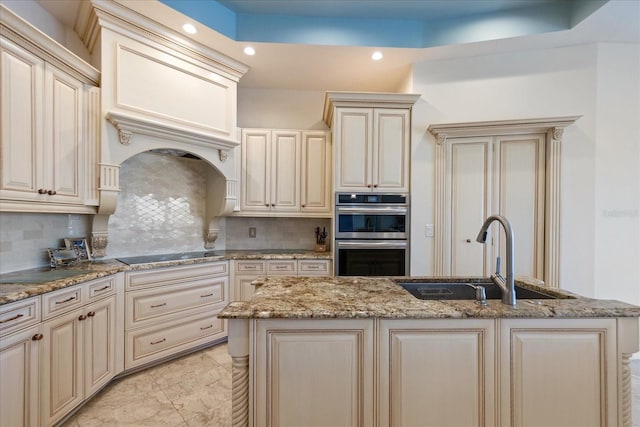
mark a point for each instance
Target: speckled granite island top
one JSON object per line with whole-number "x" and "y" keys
{"x": 22, "y": 284}
{"x": 377, "y": 297}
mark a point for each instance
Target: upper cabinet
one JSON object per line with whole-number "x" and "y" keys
{"x": 48, "y": 139}
{"x": 285, "y": 173}
{"x": 372, "y": 137}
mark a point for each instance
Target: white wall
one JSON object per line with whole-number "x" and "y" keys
{"x": 579, "y": 80}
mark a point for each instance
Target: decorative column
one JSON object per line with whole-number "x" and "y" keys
{"x": 552, "y": 207}
{"x": 239, "y": 352}
{"x": 440, "y": 242}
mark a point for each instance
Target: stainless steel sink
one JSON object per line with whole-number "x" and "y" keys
{"x": 465, "y": 291}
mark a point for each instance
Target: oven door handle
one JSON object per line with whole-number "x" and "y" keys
{"x": 369, "y": 244}
{"x": 372, "y": 211}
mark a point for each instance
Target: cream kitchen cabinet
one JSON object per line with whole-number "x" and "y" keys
{"x": 20, "y": 342}
{"x": 285, "y": 173}
{"x": 437, "y": 372}
{"x": 246, "y": 271}
{"x": 172, "y": 310}
{"x": 372, "y": 138}
{"x": 78, "y": 354}
{"x": 47, "y": 151}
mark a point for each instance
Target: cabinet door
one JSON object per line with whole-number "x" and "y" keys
{"x": 353, "y": 136}
{"x": 61, "y": 385}
{"x": 256, "y": 178}
{"x": 21, "y": 85}
{"x": 285, "y": 171}
{"x": 99, "y": 344}
{"x": 391, "y": 149}
{"x": 316, "y": 172}
{"x": 314, "y": 373}
{"x": 437, "y": 373}
{"x": 19, "y": 387}
{"x": 558, "y": 372}
{"x": 243, "y": 290}
{"x": 63, "y": 136}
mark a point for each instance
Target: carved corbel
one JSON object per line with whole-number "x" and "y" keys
{"x": 223, "y": 155}
{"x": 125, "y": 136}
{"x": 441, "y": 138}
{"x": 557, "y": 133}
{"x": 211, "y": 237}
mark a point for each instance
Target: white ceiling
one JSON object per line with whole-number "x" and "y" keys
{"x": 317, "y": 67}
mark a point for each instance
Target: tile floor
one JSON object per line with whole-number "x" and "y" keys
{"x": 194, "y": 390}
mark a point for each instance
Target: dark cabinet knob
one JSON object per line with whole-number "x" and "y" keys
{"x": 91, "y": 314}
{"x": 82, "y": 317}
{"x": 51, "y": 192}
{"x": 37, "y": 337}
{"x": 42, "y": 191}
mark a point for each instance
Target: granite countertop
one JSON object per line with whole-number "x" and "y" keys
{"x": 22, "y": 284}
{"x": 377, "y": 297}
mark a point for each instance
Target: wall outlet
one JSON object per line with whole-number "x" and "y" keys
{"x": 428, "y": 230}
{"x": 252, "y": 232}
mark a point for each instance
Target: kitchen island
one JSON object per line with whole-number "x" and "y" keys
{"x": 364, "y": 352}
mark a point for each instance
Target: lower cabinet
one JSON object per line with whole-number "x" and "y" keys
{"x": 314, "y": 373}
{"x": 77, "y": 358}
{"x": 436, "y": 372}
{"x": 19, "y": 385}
{"x": 173, "y": 309}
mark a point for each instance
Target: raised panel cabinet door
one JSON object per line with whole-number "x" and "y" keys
{"x": 285, "y": 171}
{"x": 437, "y": 373}
{"x": 63, "y": 135}
{"x": 21, "y": 124}
{"x": 256, "y": 170}
{"x": 391, "y": 149}
{"x": 353, "y": 137}
{"x": 19, "y": 387}
{"x": 316, "y": 172}
{"x": 61, "y": 384}
{"x": 558, "y": 372}
{"x": 99, "y": 344}
{"x": 314, "y": 373}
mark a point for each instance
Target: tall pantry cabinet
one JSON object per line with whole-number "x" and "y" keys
{"x": 372, "y": 140}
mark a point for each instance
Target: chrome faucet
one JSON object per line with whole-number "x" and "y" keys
{"x": 507, "y": 286}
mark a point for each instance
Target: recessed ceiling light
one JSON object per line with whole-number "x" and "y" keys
{"x": 376, "y": 56}
{"x": 189, "y": 28}
{"x": 249, "y": 51}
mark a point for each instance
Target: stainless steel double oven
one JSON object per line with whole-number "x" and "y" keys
{"x": 371, "y": 234}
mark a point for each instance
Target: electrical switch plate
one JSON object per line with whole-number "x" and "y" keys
{"x": 428, "y": 230}
{"x": 252, "y": 232}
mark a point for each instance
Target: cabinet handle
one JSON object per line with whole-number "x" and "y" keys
{"x": 273, "y": 205}
{"x": 42, "y": 191}
{"x": 266, "y": 204}
{"x": 82, "y": 317}
{"x": 158, "y": 342}
{"x": 103, "y": 288}
{"x": 375, "y": 185}
{"x": 206, "y": 327}
{"x": 304, "y": 206}
{"x": 158, "y": 305}
{"x": 280, "y": 267}
{"x": 206, "y": 296}
{"x": 37, "y": 337}
{"x": 313, "y": 267}
{"x": 91, "y": 313}
{"x": 66, "y": 300}
{"x": 52, "y": 192}
{"x": 368, "y": 185}
{"x": 17, "y": 316}
{"x": 468, "y": 240}
{"x": 250, "y": 267}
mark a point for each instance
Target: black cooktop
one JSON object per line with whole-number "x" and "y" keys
{"x": 145, "y": 259}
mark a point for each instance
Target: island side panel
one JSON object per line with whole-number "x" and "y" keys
{"x": 313, "y": 372}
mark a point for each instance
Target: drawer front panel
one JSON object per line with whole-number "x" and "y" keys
{"x": 99, "y": 288}
{"x": 19, "y": 314}
{"x": 174, "y": 275}
{"x": 61, "y": 301}
{"x": 282, "y": 267}
{"x": 313, "y": 268}
{"x": 149, "y": 344}
{"x": 172, "y": 300}
{"x": 250, "y": 267}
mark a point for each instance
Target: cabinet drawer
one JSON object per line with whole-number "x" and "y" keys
{"x": 148, "y": 344}
{"x": 250, "y": 267}
{"x": 313, "y": 268}
{"x": 99, "y": 288}
{"x": 61, "y": 301}
{"x": 19, "y": 314}
{"x": 170, "y": 302}
{"x": 288, "y": 267}
{"x": 174, "y": 275}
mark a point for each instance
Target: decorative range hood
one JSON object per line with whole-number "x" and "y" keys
{"x": 160, "y": 91}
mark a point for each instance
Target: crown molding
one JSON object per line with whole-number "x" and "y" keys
{"x": 366, "y": 99}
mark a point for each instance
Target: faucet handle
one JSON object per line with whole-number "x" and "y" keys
{"x": 498, "y": 265}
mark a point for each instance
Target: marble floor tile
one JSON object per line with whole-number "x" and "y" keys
{"x": 193, "y": 391}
